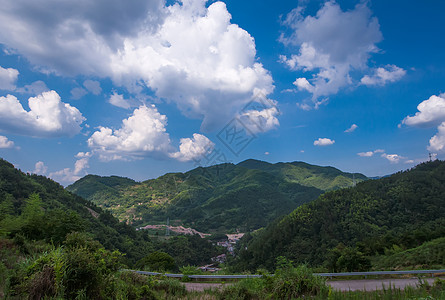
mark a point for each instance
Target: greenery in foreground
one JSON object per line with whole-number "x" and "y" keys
{"x": 223, "y": 198}
{"x": 82, "y": 269}
{"x": 396, "y": 222}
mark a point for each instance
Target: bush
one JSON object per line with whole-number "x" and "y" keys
{"x": 171, "y": 287}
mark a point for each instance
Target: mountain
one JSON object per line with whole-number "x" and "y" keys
{"x": 61, "y": 213}
{"x": 219, "y": 198}
{"x": 36, "y": 210}
{"x": 356, "y": 228}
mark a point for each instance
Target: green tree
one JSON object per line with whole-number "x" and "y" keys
{"x": 157, "y": 261}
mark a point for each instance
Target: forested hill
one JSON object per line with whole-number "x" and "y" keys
{"x": 350, "y": 228}
{"x": 220, "y": 198}
{"x": 54, "y": 212}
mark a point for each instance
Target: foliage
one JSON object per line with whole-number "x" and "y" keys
{"x": 157, "y": 261}
{"x": 430, "y": 254}
{"x": 289, "y": 282}
{"x": 222, "y": 198}
{"x": 405, "y": 209}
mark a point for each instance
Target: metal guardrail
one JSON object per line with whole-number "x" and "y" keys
{"x": 318, "y": 274}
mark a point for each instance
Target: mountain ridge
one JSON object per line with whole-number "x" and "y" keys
{"x": 225, "y": 197}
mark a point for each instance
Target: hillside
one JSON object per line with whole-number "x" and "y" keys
{"x": 350, "y": 229}
{"x": 220, "y": 198}
{"x": 36, "y": 209}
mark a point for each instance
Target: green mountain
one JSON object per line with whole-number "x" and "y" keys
{"x": 360, "y": 227}
{"x": 220, "y": 198}
{"x": 35, "y": 210}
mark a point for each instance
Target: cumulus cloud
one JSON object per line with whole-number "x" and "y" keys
{"x": 437, "y": 142}
{"x": 78, "y": 92}
{"x": 35, "y": 88}
{"x": 331, "y": 45}
{"x": 260, "y": 120}
{"x": 119, "y": 101}
{"x": 5, "y": 143}
{"x": 382, "y": 76}
{"x": 352, "y": 128}
{"x": 431, "y": 112}
{"x": 48, "y": 116}
{"x": 74, "y": 37}
{"x": 142, "y": 134}
{"x": 93, "y": 86}
{"x": 393, "y": 158}
{"x": 194, "y": 148}
{"x": 370, "y": 153}
{"x": 199, "y": 60}
{"x": 187, "y": 53}
{"x": 323, "y": 142}
{"x": 40, "y": 168}
{"x": 303, "y": 84}
{"x": 69, "y": 175}
{"x": 8, "y": 77}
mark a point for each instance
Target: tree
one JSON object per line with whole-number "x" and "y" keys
{"x": 157, "y": 261}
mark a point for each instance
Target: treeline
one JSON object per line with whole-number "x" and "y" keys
{"x": 350, "y": 229}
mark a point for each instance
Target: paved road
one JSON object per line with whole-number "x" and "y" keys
{"x": 342, "y": 285}
{"x": 374, "y": 284}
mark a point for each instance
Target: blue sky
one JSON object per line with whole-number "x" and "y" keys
{"x": 142, "y": 88}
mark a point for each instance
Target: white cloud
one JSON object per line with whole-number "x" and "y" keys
{"x": 187, "y": 53}
{"x": 370, "y": 153}
{"x": 437, "y": 142}
{"x": 260, "y": 120}
{"x": 142, "y": 134}
{"x": 35, "y": 88}
{"x": 366, "y": 154}
{"x": 40, "y": 168}
{"x": 93, "y": 86}
{"x": 323, "y": 142}
{"x": 74, "y": 37}
{"x": 83, "y": 155}
{"x": 431, "y": 112}
{"x": 68, "y": 175}
{"x": 78, "y": 92}
{"x": 332, "y": 45}
{"x": 8, "y": 77}
{"x": 199, "y": 60}
{"x": 266, "y": 153}
{"x": 48, "y": 116}
{"x": 352, "y": 128}
{"x": 382, "y": 76}
{"x": 5, "y": 143}
{"x": 119, "y": 101}
{"x": 393, "y": 158}
{"x": 303, "y": 84}
{"x": 194, "y": 148}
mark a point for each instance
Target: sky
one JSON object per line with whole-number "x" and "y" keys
{"x": 141, "y": 88}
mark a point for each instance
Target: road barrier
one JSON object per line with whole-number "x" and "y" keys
{"x": 374, "y": 273}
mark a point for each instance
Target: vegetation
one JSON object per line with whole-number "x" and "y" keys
{"x": 56, "y": 244}
{"x": 358, "y": 228}
{"x": 223, "y": 198}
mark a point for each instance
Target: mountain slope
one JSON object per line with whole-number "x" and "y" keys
{"x": 220, "y": 198}
{"x": 62, "y": 213}
{"x": 401, "y": 211}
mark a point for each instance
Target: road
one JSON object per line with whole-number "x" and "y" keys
{"x": 342, "y": 285}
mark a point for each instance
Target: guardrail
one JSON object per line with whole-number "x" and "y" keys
{"x": 432, "y": 272}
